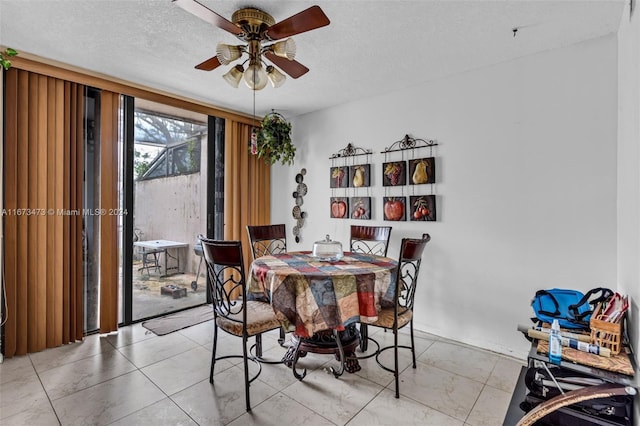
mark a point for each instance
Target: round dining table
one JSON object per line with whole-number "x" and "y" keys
{"x": 312, "y": 297}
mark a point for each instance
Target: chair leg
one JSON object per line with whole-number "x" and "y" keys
{"x": 395, "y": 360}
{"x": 246, "y": 371}
{"x": 258, "y": 345}
{"x": 281, "y": 338}
{"x": 413, "y": 346}
{"x": 213, "y": 355}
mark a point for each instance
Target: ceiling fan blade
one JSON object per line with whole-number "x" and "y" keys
{"x": 307, "y": 20}
{"x": 209, "y": 64}
{"x": 206, "y": 14}
{"x": 294, "y": 68}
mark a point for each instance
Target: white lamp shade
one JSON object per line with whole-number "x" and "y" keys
{"x": 227, "y": 53}
{"x": 234, "y": 75}
{"x": 276, "y": 78}
{"x": 285, "y": 49}
{"x": 255, "y": 76}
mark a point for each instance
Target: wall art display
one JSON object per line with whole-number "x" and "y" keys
{"x": 394, "y": 173}
{"x": 339, "y": 207}
{"x": 359, "y": 176}
{"x": 423, "y": 208}
{"x": 422, "y": 170}
{"x": 360, "y": 208}
{"x": 298, "y": 194}
{"x": 339, "y": 177}
{"x": 394, "y": 208}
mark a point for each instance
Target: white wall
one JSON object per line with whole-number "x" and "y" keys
{"x": 526, "y": 172}
{"x": 629, "y": 170}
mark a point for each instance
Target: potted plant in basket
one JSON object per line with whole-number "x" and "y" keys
{"x": 273, "y": 140}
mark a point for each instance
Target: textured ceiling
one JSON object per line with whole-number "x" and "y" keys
{"x": 370, "y": 47}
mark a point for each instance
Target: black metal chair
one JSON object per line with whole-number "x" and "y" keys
{"x": 232, "y": 312}
{"x": 268, "y": 240}
{"x": 401, "y": 313}
{"x": 369, "y": 240}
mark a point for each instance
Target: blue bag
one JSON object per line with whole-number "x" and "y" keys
{"x": 571, "y": 308}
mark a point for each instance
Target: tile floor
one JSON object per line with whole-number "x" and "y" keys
{"x": 136, "y": 378}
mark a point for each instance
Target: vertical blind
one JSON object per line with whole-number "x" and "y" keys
{"x": 43, "y": 201}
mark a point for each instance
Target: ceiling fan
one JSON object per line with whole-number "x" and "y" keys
{"x": 264, "y": 38}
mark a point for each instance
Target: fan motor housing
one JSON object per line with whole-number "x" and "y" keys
{"x": 254, "y": 22}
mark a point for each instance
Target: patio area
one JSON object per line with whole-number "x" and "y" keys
{"x": 148, "y": 297}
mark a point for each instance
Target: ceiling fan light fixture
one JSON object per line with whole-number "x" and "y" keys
{"x": 285, "y": 49}
{"x": 276, "y": 78}
{"x": 227, "y": 53}
{"x": 255, "y": 76}
{"x": 234, "y": 75}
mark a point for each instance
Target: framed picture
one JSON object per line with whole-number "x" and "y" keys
{"x": 394, "y": 208}
{"x": 394, "y": 173}
{"x": 360, "y": 208}
{"x": 422, "y": 170}
{"x": 359, "y": 176}
{"x": 423, "y": 208}
{"x": 339, "y": 207}
{"x": 339, "y": 177}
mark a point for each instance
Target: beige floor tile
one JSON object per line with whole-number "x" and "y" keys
{"x": 201, "y": 333}
{"x": 370, "y": 368}
{"x": 490, "y": 408}
{"x": 163, "y": 412}
{"x": 281, "y": 410}
{"x": 66, "y": 354}
{"x": 19, "y": 396}
{"x": 17, "y": 367}
{"x": 128, "y": 335}
{"x": 70, "y": 378}
{"x": 222, "y": 402}
{"x": 386, "y": 410}
{"x": 336, "y": 399}
{"x": 473, "y": 364}
{"x": 108, "y": 401}
{"x": 441, "y": 390}
{"x": 183, "y": 370}
{"x": 505, "y": 374}
{"x": 150, "y": 351}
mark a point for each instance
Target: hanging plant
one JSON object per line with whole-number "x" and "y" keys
{"x": 273, "y": 140}
{"x": 4, "y": 57}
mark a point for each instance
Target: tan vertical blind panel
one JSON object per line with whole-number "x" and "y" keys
{"x": 247, "y": 187}
{"x": 109, "y": 103}
{"x": 40, "y": 209}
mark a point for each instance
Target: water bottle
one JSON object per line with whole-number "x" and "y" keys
{"x": 555, "y": 343}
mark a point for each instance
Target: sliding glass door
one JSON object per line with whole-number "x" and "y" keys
{"x": 169, "y": 198}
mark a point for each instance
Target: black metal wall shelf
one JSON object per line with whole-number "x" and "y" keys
{"x": 407, "y": 143}
{"x": 350, "y": 151}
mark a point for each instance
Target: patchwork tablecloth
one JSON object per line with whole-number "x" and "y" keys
{"x": 309, "y": 295}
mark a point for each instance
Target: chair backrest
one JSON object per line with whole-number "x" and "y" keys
{"x": 225, "y": 264}
{"x": 370, "y": 239}
{"x": 409, "y": 262}
{"x": 267, "y": 239}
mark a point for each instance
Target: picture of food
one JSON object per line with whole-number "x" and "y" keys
{"x": 394, "y": 173}
{"x": 394, "y": 208}
{"x": 339, "y": 207}
{"x": 361, "y": 208}
{"x": 339, "y": 177}
{"x": 359, "y": 175}
{"x": 423, "y": 170}
{"x": 423, "y": 208}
